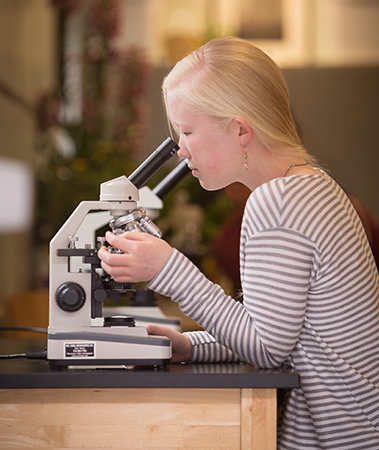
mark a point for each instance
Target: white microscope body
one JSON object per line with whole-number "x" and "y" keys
{"x": 78, "y": 334}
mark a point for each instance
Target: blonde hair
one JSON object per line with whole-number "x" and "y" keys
{"x": 229, "y": 77}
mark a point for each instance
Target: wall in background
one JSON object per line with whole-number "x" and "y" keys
{"x": 337, "y": 110}
{"x": 312, "y": 32}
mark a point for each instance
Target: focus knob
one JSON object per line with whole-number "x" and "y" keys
{"x": 70, "y": 296}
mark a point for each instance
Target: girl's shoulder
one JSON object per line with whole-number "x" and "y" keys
{"x": 276, "y": 202}
{"x": 285, "y": 189}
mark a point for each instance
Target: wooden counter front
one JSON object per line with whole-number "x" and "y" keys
{"x": 192, "y": 406}
{"x": 138, "y": 419}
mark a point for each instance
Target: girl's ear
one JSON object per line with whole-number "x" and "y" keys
{"x": 245, "y": 131}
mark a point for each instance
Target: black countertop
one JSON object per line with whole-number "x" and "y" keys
{"x": 21, "y": 373}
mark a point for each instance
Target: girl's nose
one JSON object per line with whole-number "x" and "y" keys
{"x": 182, "y": 152}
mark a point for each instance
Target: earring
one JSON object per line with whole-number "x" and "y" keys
{"x": 245, "y": 157}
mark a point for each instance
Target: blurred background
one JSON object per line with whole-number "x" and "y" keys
{"x": 80, "y": 103}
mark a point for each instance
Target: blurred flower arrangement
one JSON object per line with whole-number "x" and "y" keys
{"x": 105, "y": 139}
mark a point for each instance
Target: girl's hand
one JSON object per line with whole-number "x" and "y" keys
{"x": 144, "y": 256}
{"x": 181, "y": 344}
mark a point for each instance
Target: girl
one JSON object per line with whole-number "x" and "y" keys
{"x": 309, "y": 280}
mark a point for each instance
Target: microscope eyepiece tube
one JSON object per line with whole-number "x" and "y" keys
{"x": 172, "y": 179}
{"x": 146, "y": 170}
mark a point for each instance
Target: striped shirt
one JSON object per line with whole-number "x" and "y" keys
{"x": 311, "y": 301}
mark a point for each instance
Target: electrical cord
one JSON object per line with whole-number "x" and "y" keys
{"x": 38, "y": 355}
{"x": 32, "y": 329}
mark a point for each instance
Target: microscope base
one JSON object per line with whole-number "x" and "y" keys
{"x": 106, "y": 347}
{"x": 108, "y": 363}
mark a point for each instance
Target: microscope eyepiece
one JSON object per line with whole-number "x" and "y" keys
{"x": 147, "y": 169}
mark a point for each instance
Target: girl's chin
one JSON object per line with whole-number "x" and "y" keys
{"x": 210, "y": 187}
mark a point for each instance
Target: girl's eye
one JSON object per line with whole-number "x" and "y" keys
{"x": 186, "y": 133}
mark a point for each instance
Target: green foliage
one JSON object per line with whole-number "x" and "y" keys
{"x": 75, "y": 157}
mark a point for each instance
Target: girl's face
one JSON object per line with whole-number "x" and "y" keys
{"x": 214, "y": 152}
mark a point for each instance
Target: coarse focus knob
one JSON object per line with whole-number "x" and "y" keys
{"x": 70, "y": 296}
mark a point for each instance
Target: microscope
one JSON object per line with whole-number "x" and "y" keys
{"x": 78, "y": 334}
